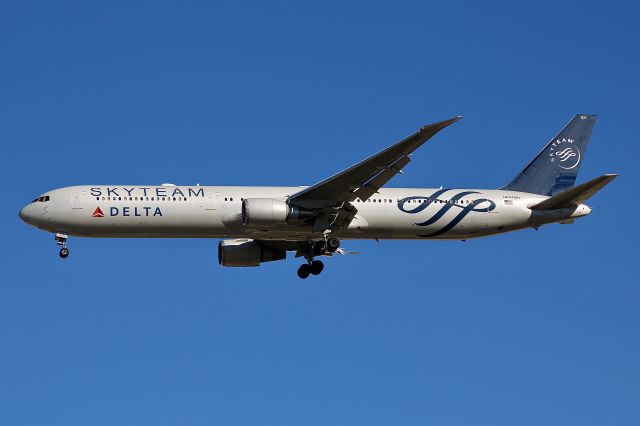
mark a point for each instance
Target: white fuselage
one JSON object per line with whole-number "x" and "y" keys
{"x": 170, "y": 211}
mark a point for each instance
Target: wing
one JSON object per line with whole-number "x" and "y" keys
{"x": 367, "y": 177}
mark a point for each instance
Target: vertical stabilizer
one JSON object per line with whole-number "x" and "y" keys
{"x": 556, "y": 167}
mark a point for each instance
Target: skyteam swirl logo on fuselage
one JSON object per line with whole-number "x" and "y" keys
{"x": 480, "y": 205}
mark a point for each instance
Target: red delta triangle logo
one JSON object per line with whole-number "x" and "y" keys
{"x": 97, "y": 213}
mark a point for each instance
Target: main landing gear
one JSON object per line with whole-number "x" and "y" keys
{"x": 61, "y": 240}
{"x": 314, "y": 268}
{"x": 325, "y": 247}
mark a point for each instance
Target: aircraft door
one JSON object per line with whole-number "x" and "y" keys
{"x": 211, "y": 201}
{"x": 77, "y": 199}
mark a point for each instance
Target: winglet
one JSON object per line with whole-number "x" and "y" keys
{"x": 576, "y": 195}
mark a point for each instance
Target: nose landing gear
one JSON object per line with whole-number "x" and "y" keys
{"x": 61, "y": 240}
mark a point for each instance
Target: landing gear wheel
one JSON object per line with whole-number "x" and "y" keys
{"x": 316, "y": 267}
{"x": 320, "y": 248}
{"x": 333, "y": 244}
{"x": 304, "y": 270}
{"x": 61, "y": 240}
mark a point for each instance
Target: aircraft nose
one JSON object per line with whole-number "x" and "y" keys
{"x": 24, "y": 214}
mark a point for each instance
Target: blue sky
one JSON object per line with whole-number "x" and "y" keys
{"x": 527, "y": 328}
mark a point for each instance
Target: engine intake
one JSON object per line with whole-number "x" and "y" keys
{"x": 246, "y": 253}
{"x": 261, "y": 212}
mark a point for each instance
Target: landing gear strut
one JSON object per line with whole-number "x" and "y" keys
{"x": 61, "y": 240}
{"x": 327, "y": 246}
{"x": 320, "y": 248}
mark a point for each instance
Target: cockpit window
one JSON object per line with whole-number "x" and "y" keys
{"x": 41, "y": 199}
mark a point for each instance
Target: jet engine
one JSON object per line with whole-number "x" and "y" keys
{"x": 261, "y": 212}
{"x": 246, "y": 253}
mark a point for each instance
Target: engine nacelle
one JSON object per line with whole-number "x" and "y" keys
{"x": 246, "y": 253}
{"x": 261, "y": 212}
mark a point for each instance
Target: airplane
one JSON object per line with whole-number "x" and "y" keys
{"x": 260, "y": 224}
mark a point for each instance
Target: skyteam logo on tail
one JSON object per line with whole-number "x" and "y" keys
{"x": 564, "y": 153}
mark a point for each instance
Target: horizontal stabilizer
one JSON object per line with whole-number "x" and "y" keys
{"x": 576, "y": 195}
